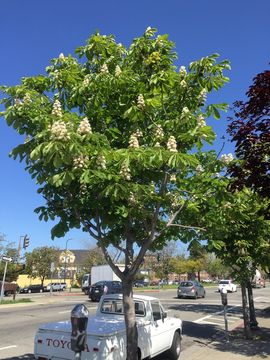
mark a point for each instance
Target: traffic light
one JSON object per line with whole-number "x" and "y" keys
{"x": 25, "y": 241}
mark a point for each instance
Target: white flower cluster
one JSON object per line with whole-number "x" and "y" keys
{"x": 175, "y": 201}
{"x": 80, "y": 162}
{"x": 133, "y": 142}
{"x": 226, "y": 159}
{"x": 125, "y": 172}
{"x": 183, "y": 84}
{"x": 152, "y": 184}
{"x": 132, "y": 200}
{"x": 61, "y": 56}
{"x": 199, "y": 169}
{"x": 104, "y": 69}
{"x": 203, "y": 96}
{"x": 182, "y": 71}
{"x": 172, "y": 177}
{"x": 83, "y": 189}
{"x": 59, "y": 131}
{"x": 159, "y": 133}
{"x": 140, "y": 102}
{"x": 118, "y": 71}
{"x": 138, "y": 133}
{"x": 18, "y": 102}
{"x": 57, "y": 110}
{"x": 86, "y": 81}
{"x": 171, "y": 144}
{"x": 26, "y": 99}
{"x": 101, "y": 162}
{"x": 185, "y": 111}
{"x": 84, "y": 127}
{"x": 200, "y": 121}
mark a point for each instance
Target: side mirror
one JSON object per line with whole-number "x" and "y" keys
{"x": 164, "y": 315}
{"x": 79, "y": 320}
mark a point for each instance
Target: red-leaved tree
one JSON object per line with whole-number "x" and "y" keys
{"x": 250, "y": 130}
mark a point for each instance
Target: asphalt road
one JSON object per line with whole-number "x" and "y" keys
{"x": 202, "y": 318}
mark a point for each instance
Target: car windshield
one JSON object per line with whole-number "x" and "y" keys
{"x": 186, "y": 283}
{"x": 224, "y": 282}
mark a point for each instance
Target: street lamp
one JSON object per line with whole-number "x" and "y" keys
{"x": 65, "y": 264}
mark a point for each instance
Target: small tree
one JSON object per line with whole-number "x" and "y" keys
{"x": 38, "y": 262}
{"x": 113, "y": 142}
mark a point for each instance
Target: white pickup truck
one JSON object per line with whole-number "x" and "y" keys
{"x": 106, "y": 338}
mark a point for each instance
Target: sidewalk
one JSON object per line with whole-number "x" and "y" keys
{"x": 238, "y": 348}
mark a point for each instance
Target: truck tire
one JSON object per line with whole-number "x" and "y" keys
{"x": 175, "y": 350}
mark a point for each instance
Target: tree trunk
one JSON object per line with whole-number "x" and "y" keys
{"x": 130, "y": 320}
{"x": 245, "y": 311}
{"x": 252, "y": 314}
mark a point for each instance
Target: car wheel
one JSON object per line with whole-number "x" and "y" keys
{"x": 175, "y": 350}
{"x": 29, "y": 291}
{"x": 203, "y": 295}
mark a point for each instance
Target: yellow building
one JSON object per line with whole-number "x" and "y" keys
{"x": 71, "y": 263}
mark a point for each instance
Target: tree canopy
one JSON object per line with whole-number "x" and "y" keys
{"x": 114, "y": 140}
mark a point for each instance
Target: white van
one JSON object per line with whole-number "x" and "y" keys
{"x": 57, "y": 286}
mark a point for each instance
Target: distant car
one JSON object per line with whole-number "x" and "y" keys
{"x": 104, "y": 287}
{"x": 32, "y": 289}
{"x": 56, "y": 286}
{"x": 192, "y": 289}
{"x": 228, "y": 285}
{"x": 258, "y": 283}
{"x": 140, "y": 283}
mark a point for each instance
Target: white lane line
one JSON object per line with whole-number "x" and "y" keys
{"x": 222, "y": 319}
{"x": 8, "y": 347}
{"x": 210, "y": 316}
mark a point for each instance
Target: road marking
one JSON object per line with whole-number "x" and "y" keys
{"x": 198, "y": 321}
{"x": 8, "y": 347}
{"x": 222, "y": 319}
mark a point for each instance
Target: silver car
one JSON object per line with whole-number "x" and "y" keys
{"x": 192, "y": 289}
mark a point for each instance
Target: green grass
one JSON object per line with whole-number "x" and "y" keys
{"x": 23, "y": 300}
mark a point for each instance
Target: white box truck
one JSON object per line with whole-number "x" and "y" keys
{"x": 104, "y": 272}
{"x": 99, "y": 273}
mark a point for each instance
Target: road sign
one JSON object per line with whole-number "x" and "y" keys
{"x": 7, "y": 258}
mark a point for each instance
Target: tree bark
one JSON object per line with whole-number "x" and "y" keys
{"x": 130, "y": 321}
{"x": 252, "y": 314}
{"x": 245, "y": 311}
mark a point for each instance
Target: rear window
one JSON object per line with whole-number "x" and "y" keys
{"x": 186, "y": 283}
{"x": 113, "y": 306}
{"x": 224, "y": 282}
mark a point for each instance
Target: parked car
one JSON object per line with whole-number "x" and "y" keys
{"x": 140, "y": 283}
{"x": 33, "y": 289}
{"x": 158, "y": 333}
{"x": 104, "y": 287}
{"x": 190, "y": 288}
{"x": 56, "y": 286}
{"x": 228, "y": 285}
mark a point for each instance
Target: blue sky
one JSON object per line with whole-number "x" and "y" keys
{"x": 32, "y": 32}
